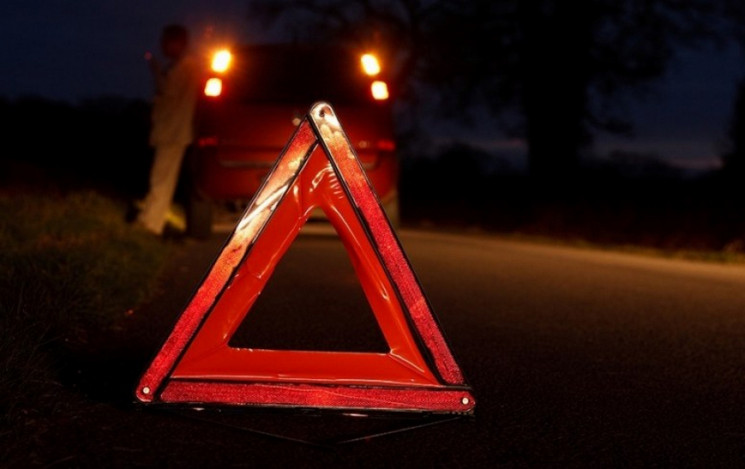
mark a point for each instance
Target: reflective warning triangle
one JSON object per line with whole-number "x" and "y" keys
{"x": 317, "y": 169}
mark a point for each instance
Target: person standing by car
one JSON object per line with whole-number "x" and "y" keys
{"x": 176, "y": 87}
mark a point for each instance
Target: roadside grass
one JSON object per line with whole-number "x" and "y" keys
{"x": 69, "y": 265}
{"x": 727, "y": 255}
{"x": 724, "y": 256}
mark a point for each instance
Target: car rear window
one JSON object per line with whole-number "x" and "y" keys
{"x": 296, "y": 74}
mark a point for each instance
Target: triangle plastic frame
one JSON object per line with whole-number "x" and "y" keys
{"x": 317, "y": 169}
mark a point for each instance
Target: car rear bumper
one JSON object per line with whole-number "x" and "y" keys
{"x": 223, "y": 174}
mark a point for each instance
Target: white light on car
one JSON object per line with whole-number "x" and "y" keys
{"x": 221, "y": 60}
{"x": 370, "y": 64}
{"x": 379, "y": 90}
{"x": 213, "y": 87}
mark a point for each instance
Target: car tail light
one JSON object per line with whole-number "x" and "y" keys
{"x": 386, "y": 145}
{"x": 379, "y": 90}
{"x": 203, "y": 142}
{"x": 370, "y": 65}
{"x": 213, "y": 87}
{"x": 221, "y": 60}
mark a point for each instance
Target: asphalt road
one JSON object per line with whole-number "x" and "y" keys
{"x": 577, "y": 358}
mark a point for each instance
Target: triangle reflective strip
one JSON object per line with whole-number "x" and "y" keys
{"x": 196, "y": 365}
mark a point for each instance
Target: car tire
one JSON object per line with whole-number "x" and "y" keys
{"x": 199, "y": 217}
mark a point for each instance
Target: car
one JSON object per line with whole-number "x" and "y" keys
{"x": 253, "y": 98}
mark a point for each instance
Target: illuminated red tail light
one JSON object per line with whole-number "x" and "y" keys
{"x": 207, "y": 142}
{"x": 213, "y": 87}
{"x": 370, "y": 64}
{"x": 386, "y": 145}
{"x": 379, "y": 90}
{"x": 221, "y": 60}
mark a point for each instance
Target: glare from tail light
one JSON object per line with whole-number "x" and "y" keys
{"x": 379, "y": 90}
{"x": 221, "y": 60}
{"x": 203, "y": 142}
{"x": 213, "y": 87}
{"x": 370, "y": 64}
{"x": 386, "y": 145}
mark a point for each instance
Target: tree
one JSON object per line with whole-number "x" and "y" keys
{"x": 561, "y": 67}
{"x": 566, "y": 66}
{"x": 734, "y": 159}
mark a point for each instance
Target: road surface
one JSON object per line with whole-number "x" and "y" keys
{"x": 577, "y": 358}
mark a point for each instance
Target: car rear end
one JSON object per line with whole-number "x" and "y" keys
{"x": 249, "y": 110}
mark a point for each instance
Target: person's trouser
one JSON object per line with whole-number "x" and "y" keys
{"x": 163, "y": 178}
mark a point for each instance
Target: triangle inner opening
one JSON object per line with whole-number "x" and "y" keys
{"x": 313, "y": 302}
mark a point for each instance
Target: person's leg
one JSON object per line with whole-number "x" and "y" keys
{"x": 163, "y": 178}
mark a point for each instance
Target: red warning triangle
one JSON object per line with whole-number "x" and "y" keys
{"x": 317, "y": 169}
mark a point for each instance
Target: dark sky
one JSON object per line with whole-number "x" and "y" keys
{"x": 686, "y": 117}
{"x": 73, "y": 49}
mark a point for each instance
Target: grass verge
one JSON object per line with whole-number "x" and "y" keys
{"x": 724, "y": 256}
{"x": 733, "y": 255}
{"x": 69, "y": 265}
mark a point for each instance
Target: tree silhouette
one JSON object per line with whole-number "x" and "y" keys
{"x": 566, "y": 66}
{"x": 734, "y": 159}
{"x": 561, "y": 67}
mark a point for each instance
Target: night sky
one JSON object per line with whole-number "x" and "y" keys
{"x": 74, "y": 49}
